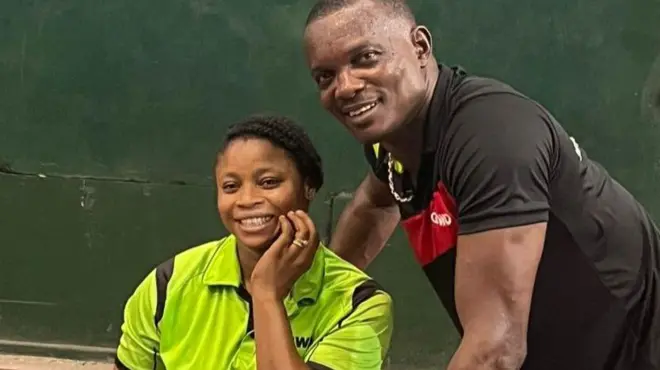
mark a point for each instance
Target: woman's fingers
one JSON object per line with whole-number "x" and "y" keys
{"x": 302, "y": 230}
{"x": 306, "y": 253}
{"x": 286, "y": 235}
{"x": 313, "y": 235}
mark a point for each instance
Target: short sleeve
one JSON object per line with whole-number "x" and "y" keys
{"x": 139, "y": 342}
{"x": 361, "y": 341}
{"x": 498, "y": 162}
{"x": 377, "y": 163}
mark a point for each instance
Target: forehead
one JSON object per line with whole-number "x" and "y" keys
{"x": 245, "y": 155}
{"x": 358, "y": 25}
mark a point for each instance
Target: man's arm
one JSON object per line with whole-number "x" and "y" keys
{"x": 501, "y": 160}
{"x": 366, "y": 223}
{"x": 495, "y": 274}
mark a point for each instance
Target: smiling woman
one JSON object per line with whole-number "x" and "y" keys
{"x": 267, "y": 296}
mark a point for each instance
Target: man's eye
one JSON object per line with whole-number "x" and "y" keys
{"x": 369, "y": 56}
{"x": 229, "y": 188}
{"x": 323, "y": 80}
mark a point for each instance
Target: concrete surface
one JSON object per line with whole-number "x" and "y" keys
{"x": 14, "y": 362}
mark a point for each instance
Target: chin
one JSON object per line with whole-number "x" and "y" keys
{"x": 256, "y": 242}
{"x": 369, "y": 137}
{"x": 260, "y": 244}
{"x": 372, "y": 133}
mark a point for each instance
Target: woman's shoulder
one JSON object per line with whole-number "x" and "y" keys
{"x": 192, "y": 262}
{"x": 334, "y": 263}
{"x": 342, "y": 276}
{"x": 201, "y": 254}
{"x": 348, "y": 290}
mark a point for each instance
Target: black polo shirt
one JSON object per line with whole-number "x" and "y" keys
{"x": 494, "y": 158}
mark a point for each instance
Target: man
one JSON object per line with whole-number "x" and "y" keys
{"x": 542, "y": 260}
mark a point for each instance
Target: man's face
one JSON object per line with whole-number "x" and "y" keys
{"x": 369, "y": 68}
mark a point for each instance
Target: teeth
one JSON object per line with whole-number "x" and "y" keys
{"x": 357, "y": 112}
{"x": 255, "y": 221}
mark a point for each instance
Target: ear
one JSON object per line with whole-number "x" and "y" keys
{"x": 423, "y": 43}
{"x": 310, "y": 193}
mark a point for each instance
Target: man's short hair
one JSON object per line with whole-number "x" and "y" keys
{"x": 322, "y": 8}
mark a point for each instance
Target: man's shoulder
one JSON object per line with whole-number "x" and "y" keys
{"x": 481, "y": 105}
{"x": 473, "y": 88}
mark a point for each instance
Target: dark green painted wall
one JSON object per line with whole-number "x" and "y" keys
{"x": 121, "y": 106}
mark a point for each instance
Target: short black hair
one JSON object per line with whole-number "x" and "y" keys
{"x": 323, "y": 8}
{"x": 284, "y": 133}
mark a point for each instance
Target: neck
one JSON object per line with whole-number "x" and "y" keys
{"x": 406, "y": 144}
{"x": 248, "y": 258}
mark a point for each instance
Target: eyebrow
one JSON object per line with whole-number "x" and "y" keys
{"x": 364, "y": 46}
{"x": 352, "y": 51}
{"x": 257, "y": 173}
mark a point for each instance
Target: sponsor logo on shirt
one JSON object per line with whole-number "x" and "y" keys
{"x": 303, "y": 342}
{"x": 441, "y": 219}
{"x": 433, "y": 231}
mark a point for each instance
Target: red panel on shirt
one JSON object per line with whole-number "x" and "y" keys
{"x": 433, "y": 232}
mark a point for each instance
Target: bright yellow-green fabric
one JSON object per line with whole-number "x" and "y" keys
{"x": 398, "y": 166}
{"x": 205, "y": 320}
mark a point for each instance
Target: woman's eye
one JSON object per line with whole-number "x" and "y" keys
{"x": 269, "y": 183}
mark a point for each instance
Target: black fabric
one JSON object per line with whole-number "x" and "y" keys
{"x": 163, "y": 275}
{"x": 361, "y": 293}
{"x": 315, "y": 366}
{"x": 119, "y": 365}
{"x": 364, "y": 291}
{"x": 245, "y": 295}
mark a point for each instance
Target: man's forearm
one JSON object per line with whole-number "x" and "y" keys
{"x": 274, "y": 341}
{"x": 479, "y": 354}
{"x": 362, "y": 232}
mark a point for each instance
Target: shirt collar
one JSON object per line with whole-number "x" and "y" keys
{"x": 447, "y": 77}
{"x": 225, "y": 270}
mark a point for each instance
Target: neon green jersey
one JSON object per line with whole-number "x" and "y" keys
{"x": 192, "y": 312}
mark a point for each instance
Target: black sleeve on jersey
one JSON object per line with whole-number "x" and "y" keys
{"x": 378, "y": 164}
{"x": 498, "y": 162}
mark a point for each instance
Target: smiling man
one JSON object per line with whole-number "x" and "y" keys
{"x": 542, "y": 260}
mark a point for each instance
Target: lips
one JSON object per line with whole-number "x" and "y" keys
{"x": 356, "y": 109}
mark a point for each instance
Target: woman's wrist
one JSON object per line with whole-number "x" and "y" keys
{"x": 264, "y": 296}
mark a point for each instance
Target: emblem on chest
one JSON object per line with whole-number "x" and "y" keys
{"x": 433, "y": 231}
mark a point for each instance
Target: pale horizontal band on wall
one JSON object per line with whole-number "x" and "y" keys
{"x": 58, "y": 347}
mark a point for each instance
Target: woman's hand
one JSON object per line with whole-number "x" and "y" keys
{"x": 286, "y": 259}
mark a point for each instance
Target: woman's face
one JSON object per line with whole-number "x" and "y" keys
{"x": 256, "y": 182}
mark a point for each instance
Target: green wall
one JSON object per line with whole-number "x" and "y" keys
{"x": 111, "y": 113}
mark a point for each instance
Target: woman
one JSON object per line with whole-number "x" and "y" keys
{"x": 267, "y": 296}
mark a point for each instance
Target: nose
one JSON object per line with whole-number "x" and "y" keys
{"x": 348, "y": 85}
{"x": 248, "y": 197}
